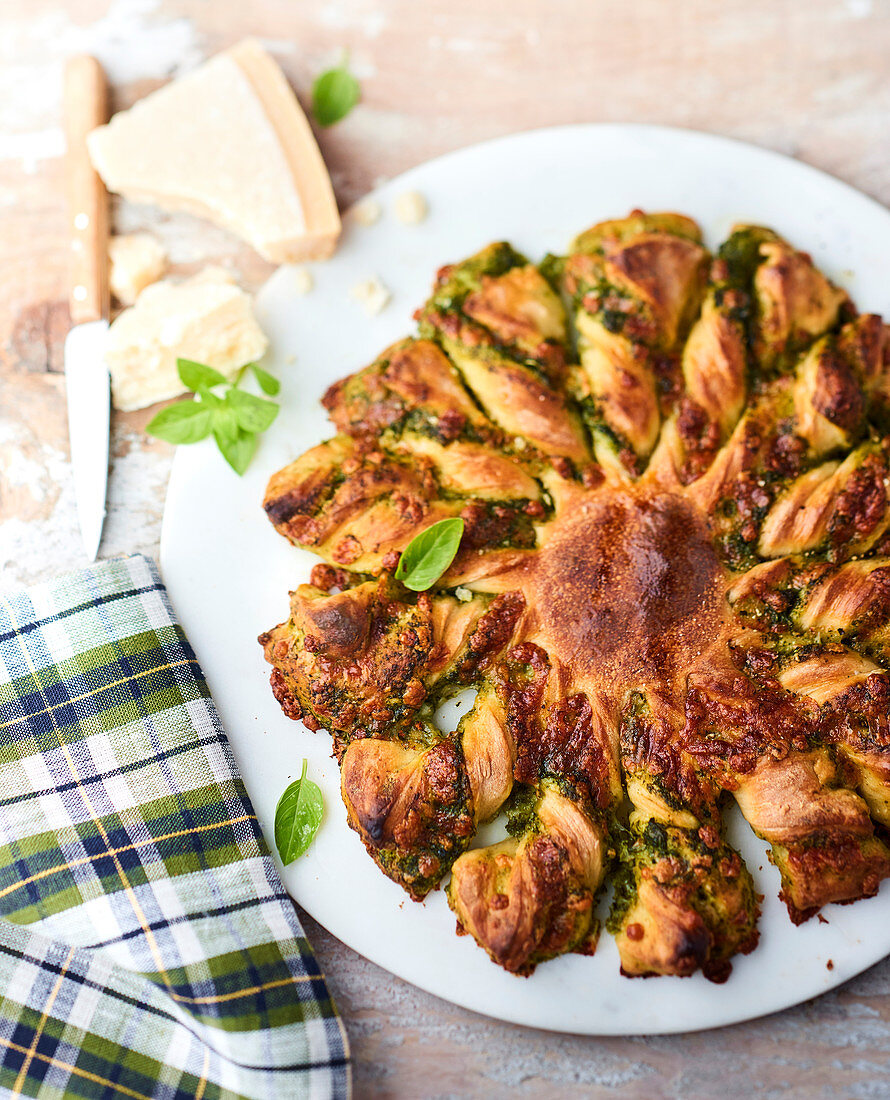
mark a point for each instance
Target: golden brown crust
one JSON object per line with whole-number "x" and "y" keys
{"x": 787, "y": 801}
{"x": 490, "y": 754}
{"x": 828, "y": 403}
{"x": 519, "y": 307}
{"x": 621, "y": 381}
{"x": 411, "y": 807}
{"x": 354, "y": 660}
{"x": 795, "y": 299}
{"x": 353, "y": 505}
{"x": 842, "y": 506}
{"x": 522, "y": 404}
{"x": 411, "y": 375}
{"x": 364, "y": 660}
{"x": 526, "y": 900}
{"x": 504, "y": 328}
{"x": 837, "y": 869}
{"x": 636, "y": 288}
{"x": 673, "y": 589}
{"x": 665, "y": 271}
{"x": 663, "y": 934}
{"x": 715, "y": 367}
{"x": 851, "y": 599}
{"x": 473, "y": 470}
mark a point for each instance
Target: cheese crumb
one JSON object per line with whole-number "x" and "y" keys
{"x": 411, "y": 208}
{"x": 207, "y": 318}
{"x": 463, "y": 594}
{"x": 303, "y": 280}
{"x": 366, "y": 212}
{"x": 372, "y": 295}
{"x": 137, "y": 259}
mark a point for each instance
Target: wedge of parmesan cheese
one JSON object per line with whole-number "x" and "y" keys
{"x": 227, "y": 142}
{"x": 137, "y": 259}
{"x": 207, "y": 318}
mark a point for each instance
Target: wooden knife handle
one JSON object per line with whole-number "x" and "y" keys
{"x": 86, "y": 106}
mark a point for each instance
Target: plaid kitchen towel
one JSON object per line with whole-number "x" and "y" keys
{"x": 147, "y": 945}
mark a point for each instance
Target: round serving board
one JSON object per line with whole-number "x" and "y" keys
{"x": 229, "y": 573}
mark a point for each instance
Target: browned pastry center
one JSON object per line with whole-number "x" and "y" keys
{"x": 630, "y": 587}
{"x": 672, "y": 591}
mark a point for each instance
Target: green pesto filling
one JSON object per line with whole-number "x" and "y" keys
{"x": 521, "y": 810}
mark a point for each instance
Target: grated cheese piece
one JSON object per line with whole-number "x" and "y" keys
{"x": 207, "y": 318}
{"x": 137, "y": 259}
{"x": 303, "y": 280}
{"x": 372, "y": 295}
{"x": 366, "y": 212}
{"x": 411, "y": 208}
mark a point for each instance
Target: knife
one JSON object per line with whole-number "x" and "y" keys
{"x": 87, "y": 382}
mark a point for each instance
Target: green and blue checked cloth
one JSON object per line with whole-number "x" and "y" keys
{"x": 147, "y": 945}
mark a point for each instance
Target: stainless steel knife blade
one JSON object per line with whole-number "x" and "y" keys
{"x": 89, "y": 400}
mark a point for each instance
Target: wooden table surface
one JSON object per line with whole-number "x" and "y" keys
{"x": 811, "y": 79}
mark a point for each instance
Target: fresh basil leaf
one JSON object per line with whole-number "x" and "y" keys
{"x": 428, "y": 555}
{"x": 235, "y": 418}
{"x": 334, "y": 94}
{"x": 209, "y": 400}
{"x": 198, "y": 376}
{"x": 184, "y": 422}
{"x": 297, "y": 817}
{"x": 225, "y": 424}
{"x": 268, "y": 382}
{"x": 237, "y": 449}
{"x": 253, "y": 414}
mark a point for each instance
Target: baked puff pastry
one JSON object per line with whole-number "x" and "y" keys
{"x": 672, "y": 593}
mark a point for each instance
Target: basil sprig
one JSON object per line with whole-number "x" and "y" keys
{"x": 334, "y": 94}
{"x": 428, "y": 555}
{"x": 297, "y": 817}
{"x": 235, "y": 418}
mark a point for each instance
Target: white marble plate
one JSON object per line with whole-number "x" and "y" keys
{"x": 229, "y": 573}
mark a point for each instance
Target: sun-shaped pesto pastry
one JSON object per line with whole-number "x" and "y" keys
{"x": 673, "y": 590}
